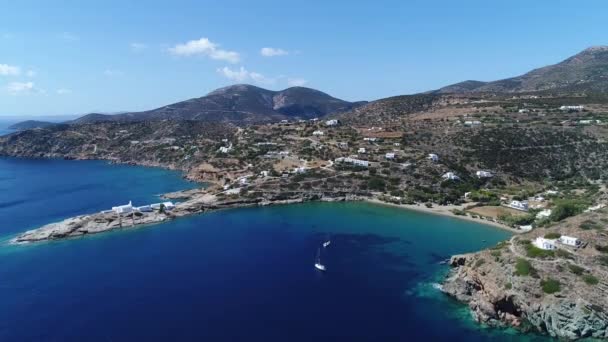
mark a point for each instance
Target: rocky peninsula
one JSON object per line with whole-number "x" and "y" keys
{"x": 561, "y": 292}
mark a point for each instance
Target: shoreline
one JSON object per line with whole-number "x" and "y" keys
{"x": 445, "y": 210}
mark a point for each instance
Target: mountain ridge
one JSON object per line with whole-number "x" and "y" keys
{"x": 586, "y": 71}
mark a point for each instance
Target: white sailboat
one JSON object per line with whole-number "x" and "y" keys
{"x": 318, "y": 264}
{"x": 326, "y": 243}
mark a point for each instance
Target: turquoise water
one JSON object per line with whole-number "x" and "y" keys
{"x": 232, "y": 275}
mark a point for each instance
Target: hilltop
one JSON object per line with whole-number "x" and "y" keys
{"x": 586, "y": 71}
{"x": 239, "y": 104}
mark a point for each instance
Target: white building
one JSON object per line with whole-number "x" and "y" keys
{"x": 433, "y": 157}
{"x": 370, "y": 139}
{"x": 318, "y": 133}
{"x": 543, "y": 214}
{"x": 361, "y": 150}
{"x": 450, "y": 176}
{"x": 123, "y": 209}
{"x": 284, "y": 153}
{"x": 225, "y": 149}
{"x": 166, "y": 205}
{"x": 519, "y": 205}
{"x": 264, "y": 173}
{"x": 472, "y": 123}
{"x": 526, "y": 228}
{"x": 332, "y": 123}
{"x": 343, "y": 145}
{"x": 389, "y": 155}
{"x": 484, "y": 174}
{"x": 397, "y": 144}
{"x": 585, "y": 122}
{"x": 544, "y": 244}
{"x": 569, "y": 241}
{"x": 571, "y": 108}
{"x": 299, "y": 170}
{"x": 144, "y": 209}
{"x": 356, "y": 162}
{"x": 523, "y": 110}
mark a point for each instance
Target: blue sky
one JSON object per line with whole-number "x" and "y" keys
{"x": 64, "y": 57}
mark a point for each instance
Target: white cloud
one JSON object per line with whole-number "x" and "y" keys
{"x": 138, "y": 47}
{"x": 20, "y": 87}
{"x": 272, "y": 52}
{"x": 30, "y": 73}
{"x": 9, "y": 70}
{"x": 63, "y": 91}
{"x": 296, "y": 82}
{"x": 243, "y": 75}
{"x": 204, "y": 47}
{"x": 113, "y": 72}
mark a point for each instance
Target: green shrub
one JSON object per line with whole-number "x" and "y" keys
{"x": 550, "y": 285}
{"x": 589, "y": 224}
{"x": 523, "y": 267}
{"x": 590, "y": 280}
{"x": 600, "y": 248}
{"x": 376, "y": 183}
{"x": 576, "y": 269}
{"x": 535, "y": 252}
{"x": 552, "y": 236}
{"x": 508, "y": 286}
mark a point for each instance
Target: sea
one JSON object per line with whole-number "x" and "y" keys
{"x": 230, "y": 275}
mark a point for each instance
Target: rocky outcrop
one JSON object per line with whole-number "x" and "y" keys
{"x": 498, "y": 295}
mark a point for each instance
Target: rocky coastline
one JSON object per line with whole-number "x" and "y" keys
{"x": 196, "y": 202}
{"x": 562, "y": 294}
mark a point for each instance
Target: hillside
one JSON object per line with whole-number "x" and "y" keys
{"x": 584, "y": 72}
{"x": 239, "y": 104}
{"x": 31, "y": 124}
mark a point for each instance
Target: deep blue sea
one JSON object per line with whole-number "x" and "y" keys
{"x": 233, "y": 275}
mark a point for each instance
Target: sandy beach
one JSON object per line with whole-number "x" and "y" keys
{"x": 445, "y": 210}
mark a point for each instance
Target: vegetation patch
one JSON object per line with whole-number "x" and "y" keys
{"x": 524, "y": 268}
{"x": 550, "y": 285}
{"x": 479, "y": 262}
{"x": 552, "y": 236}
{"x": 535, "y": 252}
{"x": 590, "y": 280}
{"x": 576, "y": 269}
{"x": 589, "y": 224}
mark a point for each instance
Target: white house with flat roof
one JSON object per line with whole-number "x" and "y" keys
{"x": 543, "y": 213}
{"x": 450, "y": 176}
{"x": 571, "y": 108}
{"x": 332, "y": 122}
{"x": 544, "y": 244}
{"x": 519, "y": 205}
{"x": 123, "y": 209}
{"x": 569, "y": 241}
{"x": 370, "y": 139}
{"x": 389, "y": 155}
{"x": 484, "y": 174}
{"x": 361, "y": 150}
{"x": 353, "y": 161}
{"x": 318, "y": 133}
{"x": 433, "y": 157}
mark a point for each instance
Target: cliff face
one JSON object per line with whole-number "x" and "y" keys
{"x": 562, "y": 294}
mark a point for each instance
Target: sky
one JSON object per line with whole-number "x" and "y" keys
{"x": 75, "y": 57}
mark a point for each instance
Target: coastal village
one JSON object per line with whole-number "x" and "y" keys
{"x": 439, "y": 159}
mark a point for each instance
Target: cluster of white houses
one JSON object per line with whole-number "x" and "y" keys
{"x": 551, "y": 244}
{"x": 129, "y": 208}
